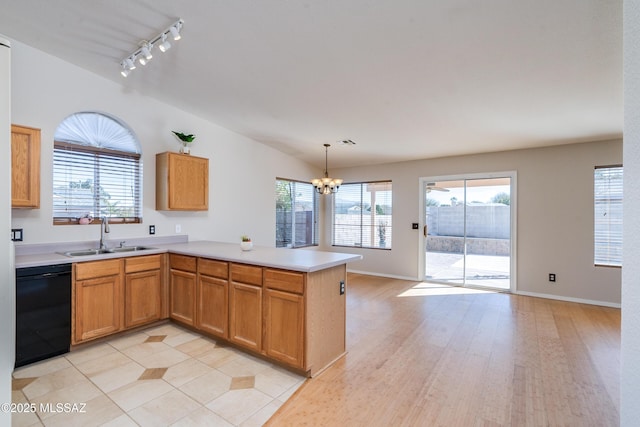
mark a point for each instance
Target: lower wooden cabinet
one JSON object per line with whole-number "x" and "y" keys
{"x": 182, "y": 278}
{"x": 143, "y": 290}
{"x": 115, "y": 294}
{"x": 284, "y": 327}
{"x": 245, "y": 315}
{"x": 245, "y": 306}
{"x": 97, "y": 299}
{"x": 294, "y": 318}
{"x": 213, "y": 297}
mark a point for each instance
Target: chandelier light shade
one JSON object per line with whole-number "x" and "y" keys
{"x": 326, "y": 185}
{"x": 144, "y": 53}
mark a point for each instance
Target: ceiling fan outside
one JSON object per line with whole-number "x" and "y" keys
{"x": 431, "y": 186}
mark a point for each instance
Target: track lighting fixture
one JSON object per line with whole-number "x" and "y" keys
{"x": 175, "y": 30}
{"x": 131, "y": 65}
{"x": 125, "y": 71}
{"x": 165, "y": 45}
{"x": 144, "y": 53}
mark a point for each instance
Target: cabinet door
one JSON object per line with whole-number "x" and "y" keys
{"x": 284, "y": 327}
{"x": 183, "y": 296}
{"x": 142, "y": 298}
{"x": 25, "y": 167}
{"x": 182, "y": 182}
{"x": 245, "y": 320}
{"x": 213, "y": 305}
{"x": 98, "y": 303}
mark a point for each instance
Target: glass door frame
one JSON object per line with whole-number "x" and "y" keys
{"x": 422, "y": 240}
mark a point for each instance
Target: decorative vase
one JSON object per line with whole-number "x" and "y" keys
{"x": 184, "y": 149}
{"x": 246, "y": 246}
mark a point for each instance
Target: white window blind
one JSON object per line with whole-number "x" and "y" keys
{"x": 296, "y": 214}
{"x": 362, "y": 215}
{"x": 95, "y": 182}
{"x": 608, "y": 215}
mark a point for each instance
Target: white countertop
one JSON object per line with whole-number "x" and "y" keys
{"x": 290, "y": 259}
{"x": 304, "y": 260}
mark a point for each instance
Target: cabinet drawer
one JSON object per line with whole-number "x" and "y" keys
{"x": 183, "y": 262}
{"x": 209, "y": 267}
{"x": 246, "y": 274}
{"x": 142, "y": 263}
{"x": 288, "y": 281}
{"x": 89, "y": 270}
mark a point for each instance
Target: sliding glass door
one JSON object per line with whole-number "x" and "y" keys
{"x": 468, "y": 231}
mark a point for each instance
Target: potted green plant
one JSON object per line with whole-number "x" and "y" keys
{"x": 246, "y": 244}
{"x": 185, "y": 141}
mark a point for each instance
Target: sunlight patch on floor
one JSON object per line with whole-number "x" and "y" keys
{"x": 424, "y": 289}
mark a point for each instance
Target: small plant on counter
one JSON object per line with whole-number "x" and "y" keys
{"x": 246, "y": 238}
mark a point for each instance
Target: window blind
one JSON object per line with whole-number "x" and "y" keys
{"x": 95, "y": 182}
{"x": 296, "y": 214}
{"x": 362, "y": 215}
{"x": 608, "y": 188}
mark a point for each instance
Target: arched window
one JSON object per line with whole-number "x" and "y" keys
{"x": 96, "y": 170}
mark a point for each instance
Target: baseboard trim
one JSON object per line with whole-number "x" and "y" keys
{"x": 568, "y": 299}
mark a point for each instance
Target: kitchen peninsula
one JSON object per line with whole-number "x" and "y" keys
{"x": 287, "y": 305}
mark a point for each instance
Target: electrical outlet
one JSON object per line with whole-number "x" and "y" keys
{"x": 552, "y": 277}
{"x": 178, "y": 228}
{"x": 16, "y": 234}
{"x": 341, "y": 287}
{"x": 152, "y": 229}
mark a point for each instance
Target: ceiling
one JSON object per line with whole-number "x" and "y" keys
{"x": 404, "y": 79}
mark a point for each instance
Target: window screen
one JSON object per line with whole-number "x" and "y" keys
{"x": 608, "y": 215}
{"x": 362, "y": 215}
{"x": 296, "y": 214}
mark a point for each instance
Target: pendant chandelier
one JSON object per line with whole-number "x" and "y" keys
{"x": 326, "y": 185}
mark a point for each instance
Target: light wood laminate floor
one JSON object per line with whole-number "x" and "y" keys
{"x": 429, "y": 355}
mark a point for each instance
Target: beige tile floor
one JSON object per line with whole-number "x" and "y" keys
{"x": 162, "y": 376}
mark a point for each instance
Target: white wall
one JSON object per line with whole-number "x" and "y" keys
{"x": 630, "y": 372}
{"x": 242, "y": 171}
{"x": 7, "y": 275}
{"x": 554, "y": 224}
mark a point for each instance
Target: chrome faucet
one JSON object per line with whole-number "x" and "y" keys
{"x": 104, "y": 228}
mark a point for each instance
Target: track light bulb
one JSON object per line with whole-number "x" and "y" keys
{"x": 175, "y": 32}
{"x": 165, "y": 45}
{"x": 146, "y": 50}
{"x": 125, "y": 72}
{"x": 130, "y": 64}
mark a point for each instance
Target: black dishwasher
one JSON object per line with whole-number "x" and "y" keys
{"x": 43, "y": 312}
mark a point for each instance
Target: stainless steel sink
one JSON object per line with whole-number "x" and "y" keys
{"x": 129, "y": 249}
{"x": 89, "y": 252}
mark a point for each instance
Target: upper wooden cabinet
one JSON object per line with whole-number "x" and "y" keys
{"x": 182, "y": 182}
{"x": 25, "y": 167}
